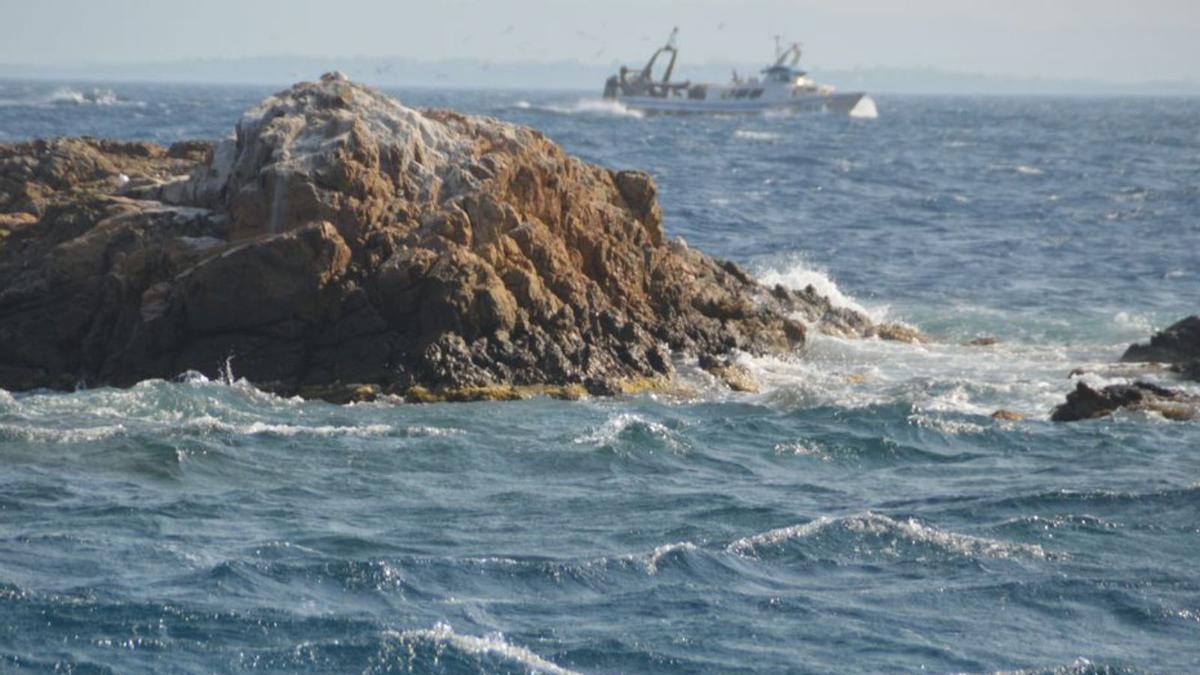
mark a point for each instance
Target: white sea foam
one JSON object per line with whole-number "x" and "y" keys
{"x": 421, "y": 430}
{"x": 209, "y": 423}
{"x": 805, "y": 448}
{"x": 939, "y": 380}
{"x": 797, "y": 275}
{"x": 77, "y": 435}
{"x": 865, "y": 109}
{"x": 1080, "y": 666}
{"x": 69, "y": 96}
{"x": 1027, "y": 170}
{"x": 610, "y": 432}
{"x": 666, "y": 549}
{"x": 945, "y": 425}
{"x": 592, "y": 106}
{"x": 875, "y": 524}
{"x": 494, "y": 644}
{"x": 752, "y": 135}
{"x": 1133, "y": 322}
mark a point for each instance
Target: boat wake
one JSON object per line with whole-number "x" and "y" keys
{"x": 584, "y": 106}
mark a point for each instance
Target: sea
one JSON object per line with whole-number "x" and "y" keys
{"x": 863, "y": 513}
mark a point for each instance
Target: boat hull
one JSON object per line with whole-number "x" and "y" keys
{"x": 840, "y": 103}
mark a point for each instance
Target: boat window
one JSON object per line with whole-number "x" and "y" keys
{"x": 756, "y": 93}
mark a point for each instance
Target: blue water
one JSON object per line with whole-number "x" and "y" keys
{"x": 862, "y": 514}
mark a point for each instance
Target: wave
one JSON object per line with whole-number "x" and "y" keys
{"x": 67, "y": 95}
{"x": 893, "y": 532}
{"x": 1080, "y": 666}
{"x": 257, "y": 428}
{"x": 797, "y": 275}
{"x": 623, "y": 425}
{"x": 443, "y": 636}
{"x": 663, "y": 551}
{"x": 33, "y": 434}
{"x": 751, "y": 135}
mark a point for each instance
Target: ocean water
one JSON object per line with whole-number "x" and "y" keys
{"x": 863, "y": 513}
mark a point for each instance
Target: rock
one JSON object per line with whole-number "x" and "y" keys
{"x": 1087, "y": 403}
{"x": 735, "y": 376}
{"x": 982, "y": 342}
{"x": 897, "y": 332}
{"x": 345, "y": 246}
{"x": 1179, "y": 345}
{"x": 1008, "y": 416}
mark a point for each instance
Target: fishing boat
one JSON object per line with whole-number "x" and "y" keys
{"x": 782, "y": 87}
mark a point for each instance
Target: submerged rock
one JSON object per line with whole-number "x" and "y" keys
{"x": 345, "y": 246}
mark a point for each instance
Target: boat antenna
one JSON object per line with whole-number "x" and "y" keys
{"x": 778, "y": 51}
{"x": 674, "y": 34}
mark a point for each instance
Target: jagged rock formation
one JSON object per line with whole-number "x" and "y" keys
{"x": 345, "y": 245}
{"x": 1087, "y": 403}
{"x": 1178, "y": 345}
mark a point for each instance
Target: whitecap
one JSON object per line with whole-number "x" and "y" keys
{"x": 804, "y": 449}
{"x": 944, "y": 425}
{"x": 797, "y": 275}
{"x": 910, "y": 529}
{"x": 1080, "y": 666}
{"x": 433, "y": 431}
{"x": 752, "y": 135}
{"x": 77, "y": 435}
{"x": 939, "y": 379}
{"x": 1027, "y": 170}
{"x": 209, "y": 423}
{"x": 653, "y": 559}
{"x": 493, "y": 644}
{"x": 97, "y": 96}
{"x": 612, "y": 429}
{"x": 1130, "y": 322}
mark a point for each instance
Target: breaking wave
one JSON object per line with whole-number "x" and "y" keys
{"x": 797, "y": 275}
{"x": 752, "y": 135}
{"x": 891, "y": 533}
{"x": 492, "y": 646}
{"x": 630, "y": 427}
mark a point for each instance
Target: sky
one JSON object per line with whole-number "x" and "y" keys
{"x": 1104, "y": 40}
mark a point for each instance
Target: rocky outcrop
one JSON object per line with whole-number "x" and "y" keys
{"x": 344, "y": 245}
{"x": 1172, "y": 352}
{"x": 1178, "y": 345}
{"x": 1088, "y": 403}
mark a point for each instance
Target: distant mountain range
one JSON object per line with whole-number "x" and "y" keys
{"x": 568, "y": 75}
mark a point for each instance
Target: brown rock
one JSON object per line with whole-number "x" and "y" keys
{"x": 1179, "y": 344}
{"x": 346, "y": 238}
{"x": 1087, "y": 403}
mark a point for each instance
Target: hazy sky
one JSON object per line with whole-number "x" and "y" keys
{"x": 1125, "y": 40}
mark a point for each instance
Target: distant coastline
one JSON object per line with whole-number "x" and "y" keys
{"x": 568, "y": 75}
